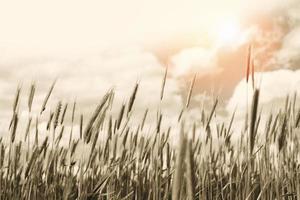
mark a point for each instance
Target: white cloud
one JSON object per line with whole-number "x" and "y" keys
{"x": 88, "y": 78}
{"x": 274, "y": 88}
{"x": 87, "y": 75}
{"x": 193, "y": 60}
{"x": 288, "y": 55}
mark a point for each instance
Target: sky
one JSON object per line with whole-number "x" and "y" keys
{"x": 90, "y": 46}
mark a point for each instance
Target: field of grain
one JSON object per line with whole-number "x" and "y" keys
{"x": 127, "y": 164}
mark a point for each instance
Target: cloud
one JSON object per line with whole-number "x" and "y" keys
{"x": 274, "y": 88}
{"x": 192, "y": 60}
{"x": 286, "y": 17}
{"x": 87, "y": 78}
{"x": 288, "y": 55}
{"x": 88, "y": 75}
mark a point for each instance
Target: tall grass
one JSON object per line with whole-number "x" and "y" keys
{"x": 113, "y": 160}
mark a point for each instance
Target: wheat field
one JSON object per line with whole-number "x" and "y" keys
{"x": 127, "y": 164}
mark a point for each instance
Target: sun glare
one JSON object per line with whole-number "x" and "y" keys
{"x": 228, "y": 32}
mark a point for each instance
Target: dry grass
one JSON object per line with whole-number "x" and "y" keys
{"x": 128, "y": 165}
